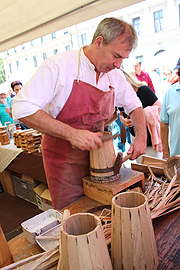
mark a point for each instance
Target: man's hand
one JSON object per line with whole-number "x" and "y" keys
{"x": 85, "y": 140}
{"x": 137, "y": 148}
{"x": 139, "y": 145}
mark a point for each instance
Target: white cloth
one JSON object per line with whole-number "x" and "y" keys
{"x": 8, "y": 153}
{"x": 51, "y": 86}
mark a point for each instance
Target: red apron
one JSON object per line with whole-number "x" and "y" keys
{"x": 86, "y": 108}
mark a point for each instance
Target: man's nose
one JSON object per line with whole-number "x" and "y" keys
{"x": 118, "y": 63}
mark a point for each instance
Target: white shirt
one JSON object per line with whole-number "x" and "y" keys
{"x": 51, "y": 86}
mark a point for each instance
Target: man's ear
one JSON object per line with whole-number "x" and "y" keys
{"x": 98, "y": 42}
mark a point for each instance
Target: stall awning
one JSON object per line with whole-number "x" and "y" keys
{"x": 22, "y": 20}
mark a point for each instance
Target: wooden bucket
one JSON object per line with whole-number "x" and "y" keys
{"x": 102, "y": 159}
{"x": 170, "y": 163}
{"x": 4, "y": 137}
{"x": 83, "y": 244}
{"x": 5, "y": 253}
{"x": 133, "y": 245}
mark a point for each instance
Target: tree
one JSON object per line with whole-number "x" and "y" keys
{"x": 2, "y": 72}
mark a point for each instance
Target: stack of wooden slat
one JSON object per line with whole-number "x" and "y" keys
{"x": 163, "y": 198}
{"x": 30, "y": 140}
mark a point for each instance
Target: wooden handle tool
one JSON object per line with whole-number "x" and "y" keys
{"x": 119, "y": 161}
{"x": 107, "y": 137}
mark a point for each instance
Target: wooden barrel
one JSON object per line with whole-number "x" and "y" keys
{"x": 133, "y": 245}
{"x": 5, "y": 253}
{"x": 4, "y": 137}
{"x": 170, "y": 163}
{"x": 83, "y": 244}
{"x": 102, "y": 159}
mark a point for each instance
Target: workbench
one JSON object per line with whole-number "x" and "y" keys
{"x": 166, "y": 228}
{"x": 21, "y": 162}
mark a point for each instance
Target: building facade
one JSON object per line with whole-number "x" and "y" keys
{"x": 157, "y": 23}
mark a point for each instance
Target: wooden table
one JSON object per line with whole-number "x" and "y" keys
{"x": 167, "y": 234}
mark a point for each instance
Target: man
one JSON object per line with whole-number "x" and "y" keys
{"x": 69, "y": 100}
{"x": 16, "y": 87}
{"x": 142, "y": 75}
{"x": 170, "y": 120}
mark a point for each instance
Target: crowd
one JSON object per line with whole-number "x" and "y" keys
{"x": 161, "y": 143}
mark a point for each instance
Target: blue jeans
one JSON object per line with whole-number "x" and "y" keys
{"x": 116, "y": 128}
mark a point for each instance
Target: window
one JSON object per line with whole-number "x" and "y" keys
{"x": 17, "y": 64}
{"x": 35, "y": 61}
{"x": 55, "y": 51}
{"x": 140, "y": 58}
{"x": 44, "y": 56}
{"x": 32, "y": 43}
{"x": 84, "y": 39}
{"x": 66, "y": 33}
{"x": 7, "y": 52}
{"x": 10, "y": 68}
{"x": 158, "y": 20}
{"x": 15, "y": 50}
{"x": 179, "y": 15}
{"x": 23, "y": 47}
{"x": 67, "y": 47}
{"x": 53, "y": 35}
{"x": 136, "y": 23}
{"x": 42, "y": 39}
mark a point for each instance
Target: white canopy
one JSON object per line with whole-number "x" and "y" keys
{"x": 22, "y": 20}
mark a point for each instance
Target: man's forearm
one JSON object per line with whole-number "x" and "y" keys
{"x": 82, "y": 139}
{"x": 164, "y": 139}
{"x": 46, "y": 124}
{"x": 139, "y": 145}
{"x": 139, "y": 122}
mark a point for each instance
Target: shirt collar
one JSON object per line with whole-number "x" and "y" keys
{"x": 86, "y": 60}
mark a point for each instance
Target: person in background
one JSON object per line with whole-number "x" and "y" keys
{"x": 4, "y": 116}
{"x": 142, "y": 75}
{"x": 117, "y": 127}
{"x": 170, "y": 118}
{"x": 16, "y": 87}
{"x": 152, "y": 107}
{"x": 70, "y": 99}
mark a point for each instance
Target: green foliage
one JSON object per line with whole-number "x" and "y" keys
{"x": 2, "y": 72}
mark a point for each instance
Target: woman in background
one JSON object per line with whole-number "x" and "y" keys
{"x": 153, "y": 107}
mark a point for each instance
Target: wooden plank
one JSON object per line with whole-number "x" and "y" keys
{"x": 144, "y": 168}
{"x": 21, "y": 248}
{"x": 104, "y": 191}
{"x": 167, "y": 234}
{"x": 148, "y": 160}
{"x": 7, "y": 182}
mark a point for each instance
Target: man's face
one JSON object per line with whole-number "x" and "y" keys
{"x": 137, "y": 68}
{"x": 17, "y": 88}
{"x": 2, "y": 95}
{"x": 111, "y": 56}
{"x": 3, "y": 98}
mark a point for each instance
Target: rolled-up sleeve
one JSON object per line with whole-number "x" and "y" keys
{"x": 38, "y": 93}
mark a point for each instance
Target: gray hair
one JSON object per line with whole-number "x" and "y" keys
{"x": 111, "y": 28}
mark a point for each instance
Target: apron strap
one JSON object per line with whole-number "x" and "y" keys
{"x": 78, "y": 65}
